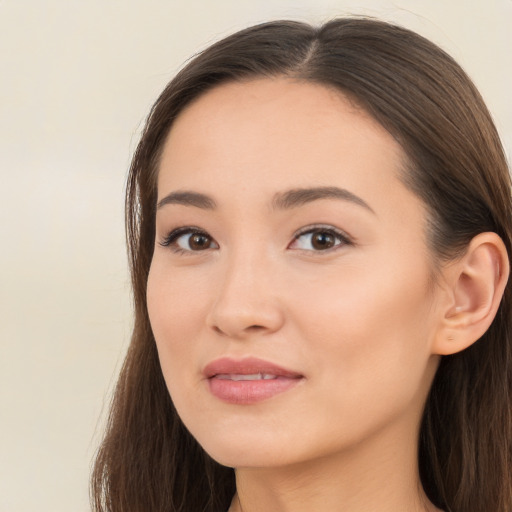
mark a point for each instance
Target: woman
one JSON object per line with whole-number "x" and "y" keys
{"x": 319, "y": 224}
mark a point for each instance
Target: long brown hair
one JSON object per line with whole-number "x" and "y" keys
{"x": 148, "y": 460}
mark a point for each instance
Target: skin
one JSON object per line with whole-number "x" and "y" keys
{"x": 358, "y": 321}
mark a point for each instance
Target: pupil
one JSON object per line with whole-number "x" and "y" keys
{"x": 322, "y": 240}
{"x": 199, "y": 242}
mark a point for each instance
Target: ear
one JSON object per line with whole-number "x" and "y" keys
{"x": 475, "y": 286}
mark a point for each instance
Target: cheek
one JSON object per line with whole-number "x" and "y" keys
{"x": 368, "y": 326}
{"x": 175, "y": 300}
{"x": 174, "y": 306}
{"x": 178, "y": 302}
{"x": 368, "y": 351}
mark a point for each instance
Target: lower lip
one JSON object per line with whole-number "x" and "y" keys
{"x": 246, "y": 392}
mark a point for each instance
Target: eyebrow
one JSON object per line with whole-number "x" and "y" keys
{"x": 187, "y": 198}
{"x": 301, "y": 196}
{"x": 281, "y": 201}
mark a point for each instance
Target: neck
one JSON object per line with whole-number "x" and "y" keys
{"x": 375, "y": 476}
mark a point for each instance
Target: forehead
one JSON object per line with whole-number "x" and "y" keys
{"x": 268, "y": 134}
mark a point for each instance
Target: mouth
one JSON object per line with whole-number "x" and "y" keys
{"x": 248, "y": 381}
{"x": 252, "y": 376}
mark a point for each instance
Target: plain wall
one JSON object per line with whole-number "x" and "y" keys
{"x": 77, "y": 80}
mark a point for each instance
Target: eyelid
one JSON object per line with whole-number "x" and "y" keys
{"x": 170, "y": 239}
{"x": 337, "y": 233}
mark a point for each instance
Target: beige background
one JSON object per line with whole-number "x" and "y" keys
{"x": 76, "y": 81}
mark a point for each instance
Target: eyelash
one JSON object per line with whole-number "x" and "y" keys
{"x": 340, "y": 236}
{"x": 171, "y": 239}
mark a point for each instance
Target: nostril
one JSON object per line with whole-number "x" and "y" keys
{"x": 250, "y": 329}
{"x": 240, "y": 321}
{"x": 255, "y": 328}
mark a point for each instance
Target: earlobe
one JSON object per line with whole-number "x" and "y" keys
{"x": 476, "y": 284}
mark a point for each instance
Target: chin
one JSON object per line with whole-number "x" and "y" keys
{"x": 250, "y": 450}
{"x": 233, "y": 452}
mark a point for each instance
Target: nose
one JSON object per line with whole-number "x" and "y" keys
{"x": 248, "y": 300}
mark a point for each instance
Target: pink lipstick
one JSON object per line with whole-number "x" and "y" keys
{"x": 249, "y": 380}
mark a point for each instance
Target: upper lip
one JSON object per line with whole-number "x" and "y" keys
{"x": 246, "y": 366}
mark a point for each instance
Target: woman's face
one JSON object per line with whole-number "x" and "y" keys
{"x": 290, "y": 291}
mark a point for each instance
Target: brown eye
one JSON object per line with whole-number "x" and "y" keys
{"x": 187, "y": 239}
{"x": 320, "y": 239}
{"x": 199, "y": 241}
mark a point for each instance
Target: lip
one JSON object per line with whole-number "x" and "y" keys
{"x": 226, "y": 380}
